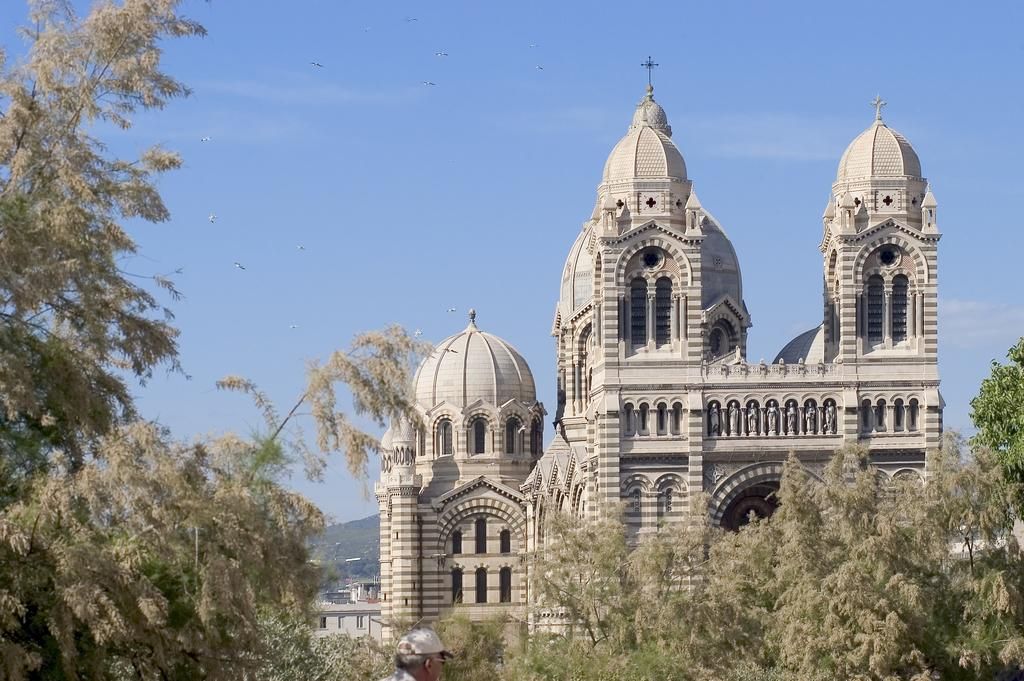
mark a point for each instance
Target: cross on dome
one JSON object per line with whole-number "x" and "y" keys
{"x": 878, "y": 104}
{"x": 649, "y": 65}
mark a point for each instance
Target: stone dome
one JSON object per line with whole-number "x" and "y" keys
{"x": 473, "y": 365}
{"x": 808, "y": 347}
{"x": 879, "y": 151}
{"x": 578, "y": 275}
{"x": 647, "y": 149}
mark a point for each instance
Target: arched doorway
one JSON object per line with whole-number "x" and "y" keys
{"x": 757, "y": 501}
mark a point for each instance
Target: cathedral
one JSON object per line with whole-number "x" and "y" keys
{"x": 656, "y": 399}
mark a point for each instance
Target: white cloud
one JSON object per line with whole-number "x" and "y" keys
{"x": 977, "y": 323}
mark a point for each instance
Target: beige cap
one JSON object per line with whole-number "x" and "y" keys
{"x": 422, "y": 642}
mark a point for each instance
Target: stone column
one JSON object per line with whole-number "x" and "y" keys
{"x": 887, "y": 314}
{"x": 674, "y": 322}
{"x": 651, "y": 341}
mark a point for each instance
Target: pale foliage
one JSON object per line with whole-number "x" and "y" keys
{"x": 853, "y": 579}
{"x": 377, "y": 373}
{"x": 153, "y": 562}
{"x": 72, "y": 323}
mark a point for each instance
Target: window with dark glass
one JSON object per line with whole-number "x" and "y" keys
{"x": 663, "y": 311}
{"x": 899, "y": 309}
{"x": 481, "y": 585}
{"x": 875, "y": 308}
{"x": 444, "y": 438}
{"x": 505, "y": 585}
{"x": 457, "y": 542}
{"x": 505, "y": 541}
{"x": 638, "y": 312}
{"x": 511, "y": 435}
{"x": 481, "y": 535}
{"x": 479, "y": 436}
{"x": 456, "y": 585}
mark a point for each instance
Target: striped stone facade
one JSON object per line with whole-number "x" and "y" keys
{"x": 657, "y": 403}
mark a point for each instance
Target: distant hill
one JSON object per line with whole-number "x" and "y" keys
{"x": 354, "y": 539}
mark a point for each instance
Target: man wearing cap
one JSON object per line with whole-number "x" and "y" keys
{"x": 420, "y": 657}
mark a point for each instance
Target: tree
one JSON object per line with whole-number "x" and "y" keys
{"x": 73, "y": 323}
{"x": 997, "y": 413}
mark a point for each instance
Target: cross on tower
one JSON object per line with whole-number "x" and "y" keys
{"x": 878, "y": 104}
{"x": 649, "y": 65}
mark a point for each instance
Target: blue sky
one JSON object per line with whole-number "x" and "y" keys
{"x": 411, "y": 198}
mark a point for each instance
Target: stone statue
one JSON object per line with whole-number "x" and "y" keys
{"x": 734, "y": 418}
{"x": 773, "y": 419}
{"x": 811, "y": 419}
{"x": 830, "y": 418}
{"x": 714, "y": 420}
{"x": 752, "y": 421}
{"x": 791, "y": 420}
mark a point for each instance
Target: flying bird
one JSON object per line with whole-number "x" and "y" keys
{"x": 451, "y": 350}
{"x": 317, "y": 64}
{"x": 300, "y": 247}
{"x": 451, "y": 309}
{"x": 533, "y": 44}
{"x": 205, "y": 139}
{"x": 293, "y": 326}
{"x": 239, "y": 265}
{"x": 212, "y": 218}
{"x": 417, "y": 333}
{"x": 440, "y": 54}
{"x": 408, "y": 19}
{"x": 540, "y": 68}
{"x": 427, "y": 82}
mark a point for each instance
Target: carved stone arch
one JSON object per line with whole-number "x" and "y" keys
{"x": 656, "y": 240}
{"x": 478, "y": 411}
{"x": 760, "y": 479}
{"x": 670, "y": 480}
{"x": 920, "y": 269}
{"x": 636, "y": 480}
{"x": 907, "y": 474}
{"x": 513, "y": 517}
{"x": 576, "y": 499}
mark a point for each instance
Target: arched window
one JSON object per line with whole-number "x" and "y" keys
{"x": 505, "y": 585}
{"x": 880, "y": 415}
{"x": 456, "y": 585}
{"x": 677, "y": 417}
{"x": 663, "y": 311}
{"x": 457, "y": 542}
{"x": 444, "y": 438}
{"x": 865, "y": 416}
{"x": 644, "y": 413}
{"x": 899, "y": 308}
{"x": 536, "y": 437}
{"x": 505, "y": 541}
{"x": 480, "y": 535}
{"x": 481, "y": 585}
{"x": 876, "y": 292}
{"x": 665, "y": 502}
{"x": 898, "y": 418}
{"x": 716, "y": 342}
{"x": 629, "y": 420}
{"x": 634, "y": 505}
{"x": 479, "y": 436}
{"x": 512, "y": 427}
{"x": 912, "y": 414}
{"x": 662, "y": 419}
{"x": 638, "y": 312}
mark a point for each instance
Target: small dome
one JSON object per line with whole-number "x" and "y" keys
{"x": 473, "y": 365}
{"x": 647, "y": 149}
{"x": 578, "y": 275}
{"x": 808, "y": 346}
{"x": 879, "y": 151}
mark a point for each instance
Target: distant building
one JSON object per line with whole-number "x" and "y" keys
{"x": 656, "y": 399}
{"x": 354, "y": 619}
